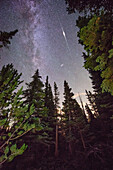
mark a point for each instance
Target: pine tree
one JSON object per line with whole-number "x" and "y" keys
{"x": 101, "y": 104}
{"x": 91, "y": 99}
{"x": 9, "y": 81}
{"x": 99, "y": 52}
{"x": 14, "y": 117}
{"x": 34, "y": 94}
{"x": 51, "y": 106}
{"x": 5, "y": 36}
{"x": 56, "y": 103}
{"x": 89, "y": 113}
{"x": 96, "y": 37}
{"x": 74, "y": 121}
{"x": 104, "y": 100}
{"x": 49, "y": 103}
{"x": 46, "y": 92}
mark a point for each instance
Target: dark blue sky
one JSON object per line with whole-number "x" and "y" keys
{"x": 40, "y": 42}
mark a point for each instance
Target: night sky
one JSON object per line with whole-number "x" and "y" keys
{"x": 46, "y": 40}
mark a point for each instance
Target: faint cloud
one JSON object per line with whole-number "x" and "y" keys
{"x": 77, "y": 95}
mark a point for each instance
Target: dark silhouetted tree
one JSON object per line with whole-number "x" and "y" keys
{"x": 88, "y": 5}
{"x": 56, "y": 103}
{"x": 74, "y": 122}
{"x": 5, "y": 38}
{"x": 34, "y": 94}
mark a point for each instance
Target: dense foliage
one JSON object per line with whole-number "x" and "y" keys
{"x": 88, "y": 5}
{"x": 14, "y": 117}
{"x": 95, "y": 34}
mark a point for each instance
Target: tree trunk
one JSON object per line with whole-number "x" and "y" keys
{"x": 56, "y": 144}
{"x": 82, "y": 139}
{"x": 70, "y": 148}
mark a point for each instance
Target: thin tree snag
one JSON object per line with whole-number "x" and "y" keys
{"x": 56, "y": 144}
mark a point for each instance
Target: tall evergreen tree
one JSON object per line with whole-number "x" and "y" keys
{"x": 91, "y": 98}
{"x": 74, "y": 121}
{"x": 46, "y": 92}
{"x": 89, "y": 113}
{"x": 49, "y": 103}
{"x": 99, "y": 51}
{"x": 96, "y": 36}
{"x": 34, "y": 94}
{"x": 14, "y": 117}
{"x": 98, "y": 62}
{"x": 56, "y": 103}
{"x": 51, "y": 106}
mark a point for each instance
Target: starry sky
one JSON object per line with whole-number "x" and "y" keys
{"x": 46, "y": 40}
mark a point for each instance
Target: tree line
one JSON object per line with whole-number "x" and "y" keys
{"x": 31, "y": 120}
{"x": 34, "y": 111}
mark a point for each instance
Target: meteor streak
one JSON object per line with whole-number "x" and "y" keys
{"x": 64, "y": 35}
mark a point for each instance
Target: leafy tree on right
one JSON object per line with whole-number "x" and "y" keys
{"x": 95, "y": 34}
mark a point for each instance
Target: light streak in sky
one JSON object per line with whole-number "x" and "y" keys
{"x": 64, "y": 35}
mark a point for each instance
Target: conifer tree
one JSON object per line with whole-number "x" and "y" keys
{"x": 74, "y": 121}
{"x": 56, "y": 103}
{"x": 101, "y": 103}
{"x": 34, "y": 94}
{"x": 89, "y": 113}
{"x": 91, "y": 99}
{"x": 99, "y": 51}
{"x": 51, "y": 106}
{"x": 49, "y": 103}
{"x": 5, "y": 38}
{"x": 46, "y": 92}
{"x": 98, "y": 65}
{"x": 104, "y": 100}
{"x": 96, "y": 36}
{"x": 14, "y": 117}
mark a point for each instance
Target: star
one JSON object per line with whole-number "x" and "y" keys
{"x": 61, "y": 65}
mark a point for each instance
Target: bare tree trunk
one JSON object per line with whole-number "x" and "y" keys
{"x": 70, "y": 148}
{"x": 56, "y": 144}
{"x": 82, "y": 139}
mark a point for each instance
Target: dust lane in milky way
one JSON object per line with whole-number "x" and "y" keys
{"x": 47, "y": 40}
